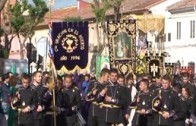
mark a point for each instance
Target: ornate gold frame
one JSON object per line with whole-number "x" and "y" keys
{"x": 158, "y": 58}
{"x": 169, "y": 68}
{"x": 124, "y": 65}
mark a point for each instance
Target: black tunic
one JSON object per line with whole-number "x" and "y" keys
{"x": 40, "y": 91}
{"x": 70, "y": 104}
{"x": 28, "y": 97}
{"x": 144, "y": 102}
{"x": 112, "y": 112}
{"x": 170, "y": 103}
{"x": 94, "y": 109}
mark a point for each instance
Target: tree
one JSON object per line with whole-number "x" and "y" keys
{"x": 100, "y": 9}
{"x": 3, "y": 50}
{"x": 24, "y": 18}
{"x": 116, "y": 4}
{"x": 72, "y": 19}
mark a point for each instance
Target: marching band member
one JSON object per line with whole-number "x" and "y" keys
{"x": 25, "y": 102}
{"x": 113, "y": 99}
{"x": 152, "y": 86}
{"x": 126, "y": 113}
{"x": 94, "y": 88}
{"x": 70, "y": 103}
{"x": 165, "y": 104}
{"x": 38, "y": 113}
{"x": 58, "y": 95}
{"x": 143, "y": 115}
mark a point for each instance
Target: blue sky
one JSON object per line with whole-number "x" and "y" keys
{"x": 63, "y": 3}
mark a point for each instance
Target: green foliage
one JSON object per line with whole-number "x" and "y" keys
{"x": 116, "y": 2}
{"x": 100, "y": 12}
{"x": 72, "y": 19}
{"x": 39, "y": 10}
{"x": 3, "y": 52}
{"x": 141, "y": 62}
{"x": 24, "y": 17}
{"x": 116, "y": 7}
{"x": 17, "y": 19}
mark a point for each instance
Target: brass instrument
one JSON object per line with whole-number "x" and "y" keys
{"x": 157, "y": 103}
{"x": 90, "y": 95}
{"x": 133, "y": 104}
{"x": 16, "y": 103}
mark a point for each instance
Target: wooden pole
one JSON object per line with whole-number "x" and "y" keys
{"x": 54, "y": 75}
{"x": 54, "y": 103}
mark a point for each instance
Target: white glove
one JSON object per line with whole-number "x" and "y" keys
{"x": 187, "y": 121}
{"x": 6, "y": 116}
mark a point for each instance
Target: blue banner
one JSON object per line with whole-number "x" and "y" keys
{"x": 70, "y": 44}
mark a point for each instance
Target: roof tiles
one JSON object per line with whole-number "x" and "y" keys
{"x": 85, "y": 10}
{"x": 183, "y": 4}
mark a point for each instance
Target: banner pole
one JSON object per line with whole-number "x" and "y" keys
{"x": 54, "y": 103}
{"x": 54, "y": 95}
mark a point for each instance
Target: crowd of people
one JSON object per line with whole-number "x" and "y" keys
{"x": 84, "y": 100}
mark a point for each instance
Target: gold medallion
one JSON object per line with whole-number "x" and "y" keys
{"x": 165, "y": 106}
{"x": 23, "y": 103}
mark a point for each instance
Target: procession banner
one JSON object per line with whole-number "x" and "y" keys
{"x": 154, "y": 66}
{"x": 70, "y": 45}
{"x": 122, "y": 45}
{"x": 169, "y": 69}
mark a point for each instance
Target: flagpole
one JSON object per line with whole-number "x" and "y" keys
{"x": 54, "y": 76}
{"x": 54, "y": 103}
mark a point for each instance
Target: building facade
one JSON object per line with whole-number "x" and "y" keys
{"x": 180, "y": 32}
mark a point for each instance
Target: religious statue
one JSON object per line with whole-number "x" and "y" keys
{"x": 122, "y": 46}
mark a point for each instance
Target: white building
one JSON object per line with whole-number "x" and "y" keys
{"x": 159, "y": 10}
{"x": 180, "y": 32}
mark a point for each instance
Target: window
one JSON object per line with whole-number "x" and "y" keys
{"x": 178, "y": 30}
{"x": 192, "y": 29}
{"x": 169, "y": 37}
